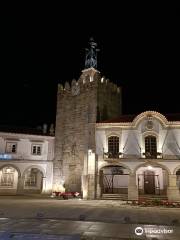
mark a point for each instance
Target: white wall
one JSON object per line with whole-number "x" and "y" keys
{"x": 24, "y": 146}
{"x": 23, "y": 159}
{"x": 132, "y": 140}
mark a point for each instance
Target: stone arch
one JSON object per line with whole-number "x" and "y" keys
{"x": 176, "y": 169}
{"x": 154, "y": 165}
{"x": 33, "y": 179}
{"x": 113, "y": 180}
{"x": 113, "y": 134}
{"x": 115, "y": 164}
{"x": 154, "y": 114}
{"x": 13, "y": 166}
{"x": 34, "y": 166}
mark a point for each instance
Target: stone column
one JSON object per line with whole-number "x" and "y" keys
{"x": 88, "y": 179}
{"x": 172, "y": 190}
{"x": 44, "y": 191}
{"x": 98, "y": 193}
{"x": 100, "y": 184}
{"x": 91, "y": 186}
{"x": 132, "y": 188}
{"x": 84, "y": 181}
{"x": 20, "y": 185}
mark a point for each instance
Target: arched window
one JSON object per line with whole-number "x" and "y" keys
{"x": 7, "y": 177}
{"x": 31, "y": 177}
{"x": 113, "y": 147}
{"x": 150, "y": 147}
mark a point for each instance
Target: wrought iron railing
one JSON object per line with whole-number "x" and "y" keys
{"x": 112, "y": 155}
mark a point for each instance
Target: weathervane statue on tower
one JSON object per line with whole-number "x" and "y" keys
{"x": 91, "y": 54}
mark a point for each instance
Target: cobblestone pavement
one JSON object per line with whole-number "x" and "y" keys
{"x": 96, "y": 219}
{"x": 62, "y": 229}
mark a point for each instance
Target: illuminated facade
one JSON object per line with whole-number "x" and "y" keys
{"x": 146, "y": 151}
{"x": 26, "y": 163}
{"x": 98, "y": 151}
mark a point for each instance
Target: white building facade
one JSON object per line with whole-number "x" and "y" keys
{"x": 138, "y": 156}
{"x": 26, "y": 163}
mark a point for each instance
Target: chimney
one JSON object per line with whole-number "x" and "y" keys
{"x": 44, "y": 128}
{"x": 51, "y": 130}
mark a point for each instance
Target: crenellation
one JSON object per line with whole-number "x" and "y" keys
{"x": 67, "y": 86}
{"x": 60, "y": 88}
{"x": 73, "y": 82}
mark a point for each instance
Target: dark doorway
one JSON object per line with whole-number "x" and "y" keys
{"x": 149, "y": 182}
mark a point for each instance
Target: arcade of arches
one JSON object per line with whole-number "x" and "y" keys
{"x": 145, "y": 180}
{"x": 12, "y": 181}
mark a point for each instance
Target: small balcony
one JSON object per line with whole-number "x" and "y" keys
{"x": 110, "y": 155}
{"x": 152, "y": 155}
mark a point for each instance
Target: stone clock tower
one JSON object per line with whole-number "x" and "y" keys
{"x": 90, "y": 99}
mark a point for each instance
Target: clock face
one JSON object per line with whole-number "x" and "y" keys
{"x": 75, "y": 90}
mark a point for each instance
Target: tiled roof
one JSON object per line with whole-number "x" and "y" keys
{"x": 122, "y": 118}
{"x": 130, "y": 118}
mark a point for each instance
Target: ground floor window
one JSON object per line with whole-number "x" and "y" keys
{"x": 31, "y": 178}
{"x": 7, "y": 177}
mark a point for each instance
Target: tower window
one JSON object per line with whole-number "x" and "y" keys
{"x": 150, "y": 147}
{"x": 113, "y": 147}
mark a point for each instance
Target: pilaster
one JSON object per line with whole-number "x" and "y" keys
{"x": 132, "y": 188}
{"x": 172, "y": 190}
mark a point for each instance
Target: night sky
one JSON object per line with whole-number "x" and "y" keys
{"x": 139, "y": 50}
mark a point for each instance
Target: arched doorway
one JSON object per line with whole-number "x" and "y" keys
{"x": 33, "y": 180}
{"x": 8, "y": 180}
{"x": 114, "y": 180}
{"x": 152, "y": 180}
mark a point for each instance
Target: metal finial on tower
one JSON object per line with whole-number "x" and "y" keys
{"x": 91, "y": 54}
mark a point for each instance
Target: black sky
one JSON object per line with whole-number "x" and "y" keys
{"x": 139, "y": 50}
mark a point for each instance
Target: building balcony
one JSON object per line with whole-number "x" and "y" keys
{"x": 152, "y": 155}
{"x": 109, "y": 155}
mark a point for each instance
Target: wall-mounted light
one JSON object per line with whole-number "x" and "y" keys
{"x": 8, "y": 170}
{"x": 89, "y": 151}
{"x": 149, "y": 167}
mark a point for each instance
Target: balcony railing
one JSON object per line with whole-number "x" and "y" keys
{"x": 110, "y": 155}
{"x": 152, "y": 155}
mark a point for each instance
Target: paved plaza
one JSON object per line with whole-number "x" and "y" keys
{"x": 45, "y": 218}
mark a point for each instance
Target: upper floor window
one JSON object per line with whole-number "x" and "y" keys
{"x": 150, "y": 147}
{"x": 36, "y": 149}
{"x": 11, "y": 147}
{"x": 113, "y": 147}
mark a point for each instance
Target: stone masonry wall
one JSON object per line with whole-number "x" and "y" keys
{"x": 75, "y": 126}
